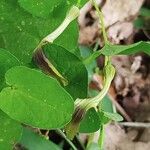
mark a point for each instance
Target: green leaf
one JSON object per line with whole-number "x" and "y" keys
{"x": 92, "y": 120}
{"x": 7, "y": 60}
{"x": 10, "y": 132}
{"x": 39, "y": 8}
{"x": 1, "y": 41}
{"x": 85, "y": 53}
{"x": 70, "y": 67}
{"x": 139, "y": 23}
{"x": 111, "y": 50}
{"x": 106, "y": 104}
{"x": 90, "y": 123}
{"x": 107, "y": 107}
{"x": 35, "y": 99}
{"x": 34, "y": 141}
{"x": 70, "y": 34}
{"x": 105, "y": 117}
{"x": 145, "y": 12}
{"x": 22, "y": 32}
{"x": 113, "y": 116}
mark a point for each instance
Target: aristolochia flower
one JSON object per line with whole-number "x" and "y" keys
{"x": 83, "y": 105}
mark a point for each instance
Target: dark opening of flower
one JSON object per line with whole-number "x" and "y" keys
{"x": 73, "y": 127}
{"x": 41, "y": 60}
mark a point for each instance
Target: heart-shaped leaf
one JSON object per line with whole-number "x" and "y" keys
{"x": 35, "y": 99}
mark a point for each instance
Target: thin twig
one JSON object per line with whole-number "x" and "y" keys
{"x": 67, "y": 140}
{"x": 101, "y": 137}
{"x": 135, "y": 124}
{"x": 101, "y": 19}
{"x": 100, "y": 15}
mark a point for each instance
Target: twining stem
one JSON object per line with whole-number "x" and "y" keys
{"x": 109, "y": 72}
{"x": 101, "y": 137}
{"x": 83, "y": 105}
{"x": 101, "y": 21}
{"x": 67, "y": 140}
{"x": 101, "y": 18}
{"x": 108, "y": 78}
{"x": 103, "y": 92}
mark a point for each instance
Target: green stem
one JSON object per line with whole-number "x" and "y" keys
{"x": 101, "y": 21}
{"x": 97, "y": 99}
{"x": 67, "y": 140}
{"x": 101, "y": 137}
{"x": 109, "y": 72}
{"x": 101, "y": 18}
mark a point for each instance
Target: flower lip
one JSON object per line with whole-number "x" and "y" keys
{"x": 78, "y": 115}
{"x": 38, "y": 58}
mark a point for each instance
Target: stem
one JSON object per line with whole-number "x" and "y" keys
{"x": 101, "y": 21}
{"x": 94, "y": 102}
{"x": 67, "y": 140}
{"x": 109, "y": 72}
{"x": 97, "y": 99}
{"x": 101, "y": 137}
{"x": 101, "y": 18}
